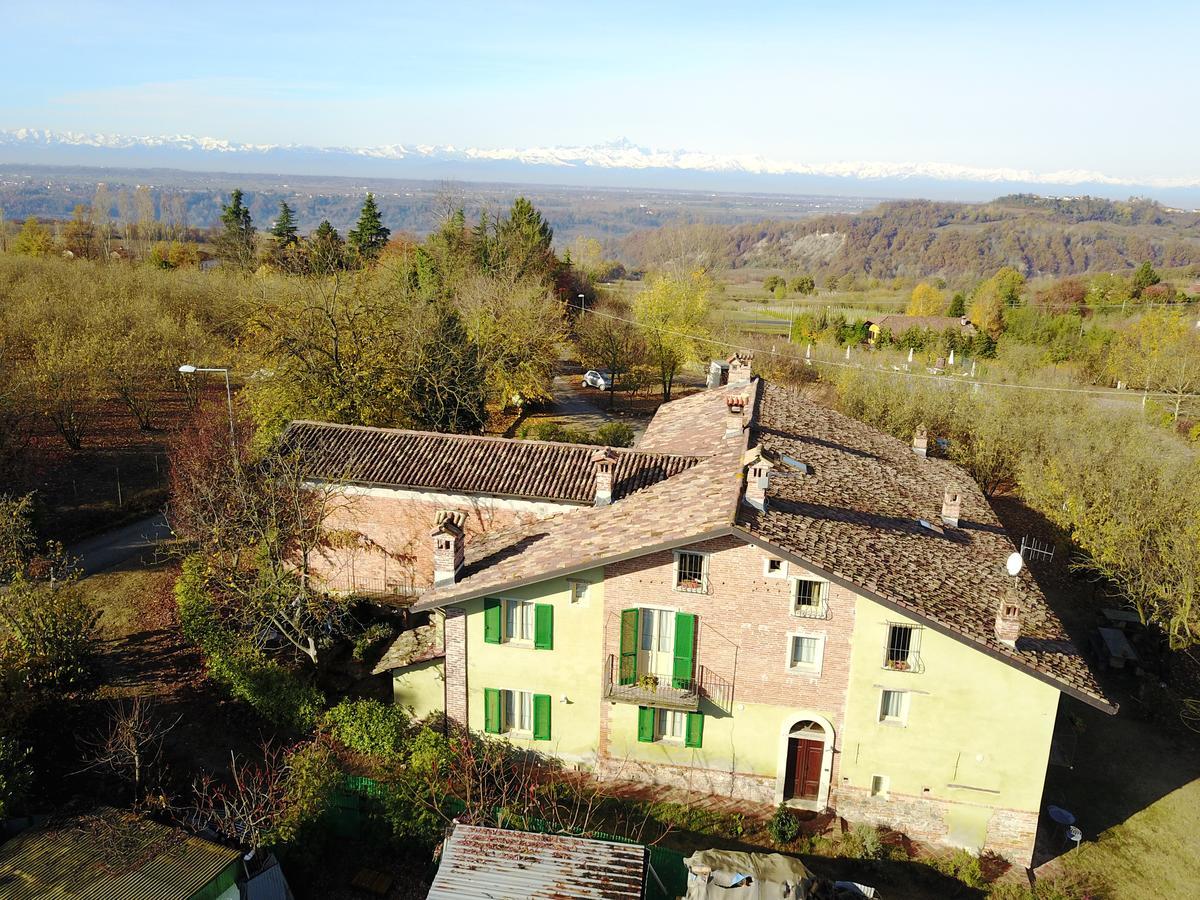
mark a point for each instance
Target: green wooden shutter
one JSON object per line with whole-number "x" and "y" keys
{"x": 491, "y": 710}
{"x": 646, "y": 724}
{"x": 541, "y": 717}
{"x": 694, "y": 737}
{"x": 492, "y": 617}
{"x": 543, "y": 626}
{"x": 630, "y": 623}
{"x": 685, "y": 650}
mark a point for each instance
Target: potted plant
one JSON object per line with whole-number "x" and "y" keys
{"x": 648, "y": 682}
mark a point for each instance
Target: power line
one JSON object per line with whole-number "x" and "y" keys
{"x": 1103, "y": 392}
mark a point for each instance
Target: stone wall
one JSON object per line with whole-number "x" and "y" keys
{"x": 737, "y": 785}
{"x": 1010, "y": 832}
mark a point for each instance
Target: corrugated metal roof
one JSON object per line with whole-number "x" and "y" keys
{"x": 495, "y": 864}
{"x": 109, "y": 855}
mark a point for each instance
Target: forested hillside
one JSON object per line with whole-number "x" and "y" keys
{"x": 919, "y": 238}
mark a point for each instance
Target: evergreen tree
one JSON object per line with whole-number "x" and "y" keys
{"x": 326, "y": 249}
{"x": 447, "y": 388}
{"x": 284, "y": 230}
{"x": 369, "y": 236}
{"x": 522, "y": 243}
{"x": 958, "y": 305}
{"x": 1143, "y": 278}
{"x": 235, "y": 244}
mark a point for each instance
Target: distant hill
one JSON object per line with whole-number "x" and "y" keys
{"x": 1036, "y": 235}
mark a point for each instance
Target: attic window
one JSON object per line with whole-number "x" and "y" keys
{"x": 793, "y": 463}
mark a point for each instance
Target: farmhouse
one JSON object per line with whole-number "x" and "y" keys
{"x": 780, "y": 604}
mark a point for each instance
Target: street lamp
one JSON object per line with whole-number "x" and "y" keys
{"x": 187, "y": 369}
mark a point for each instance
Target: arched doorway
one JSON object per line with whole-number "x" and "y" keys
{"x": 806, "y": 762}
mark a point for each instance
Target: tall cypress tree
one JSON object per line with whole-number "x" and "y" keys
{"x": 284, "y": 230}
{"x": 369, "y": 236}
{"x": 236, "y": 242}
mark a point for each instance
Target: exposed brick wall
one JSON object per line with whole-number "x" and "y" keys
{"x": 744, "y": 621}
{"x": 456, "y": 664}
{"x": 382, "y": 537}
{"x": 1010, "y": 832}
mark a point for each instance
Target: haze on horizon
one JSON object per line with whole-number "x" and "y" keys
{"x": 1100, "y": 87}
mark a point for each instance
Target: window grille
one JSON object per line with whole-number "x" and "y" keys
{"x": 902, "y": 651}
{"x": 810, "y": 598}
{"x": 690, "y": 572}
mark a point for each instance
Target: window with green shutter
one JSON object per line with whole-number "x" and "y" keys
{"x": 646, "y": 724}
{"x": 491, "y": 711}
{"x": 695, "y": 730}
{"x": 492, "y": 621}
{"x": 543, "y": 631}
{"x": 630, "y": 629}
{"x": 541, "y": 717}
{"x": 685, "y": 650}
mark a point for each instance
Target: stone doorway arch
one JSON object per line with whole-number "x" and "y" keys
{"x": 805, "y": 765}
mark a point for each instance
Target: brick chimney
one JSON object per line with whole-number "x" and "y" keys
{"x": 448, "y": 546}
{"x": 920, "y": 444}
{"x": 758, "y": 471}
{"x": 604, "y": 462}
{"x": 1008, "y": 618}
{"x": 951, "y": 506}
{"x": 734, "y": 423}
{"x": 739, "y": 368}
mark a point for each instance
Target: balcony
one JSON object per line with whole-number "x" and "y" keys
{"x": 665, "y": 692}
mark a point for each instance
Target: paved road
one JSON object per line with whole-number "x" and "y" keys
{"x": 103, "y": 551}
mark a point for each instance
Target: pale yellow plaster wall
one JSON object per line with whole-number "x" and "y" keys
{"x": 421, "y": 688}
{"x": 978, "y": 730}
{"x": 572, "y": 669}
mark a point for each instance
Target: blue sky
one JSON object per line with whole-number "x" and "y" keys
{"x": 1102, "y": 86}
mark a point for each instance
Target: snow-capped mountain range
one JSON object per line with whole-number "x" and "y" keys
{"x": 602, "y": 164}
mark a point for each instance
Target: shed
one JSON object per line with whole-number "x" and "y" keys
{"x": 112, "y": 854}
{"x": 498, "y": 864}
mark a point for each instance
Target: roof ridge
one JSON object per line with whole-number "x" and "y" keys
{"x": 487, "y": 438}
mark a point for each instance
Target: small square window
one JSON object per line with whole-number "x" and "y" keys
{"x": 805, "y": 652}
{"x": 879, "y": 786}
{"x": 809, "y": 598}
{"x": 775, "y": 568}
{"x": 579, "y": 592}
{"x": 670, "y": 725}
{"x": 893, "y": 707}
{"x": 691, "y": 572}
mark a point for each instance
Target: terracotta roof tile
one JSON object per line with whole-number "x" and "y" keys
{"x": 471, "y": 464}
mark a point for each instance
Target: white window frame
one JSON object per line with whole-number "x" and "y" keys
{"x": 521, "y": 702}
{"x": 812, "y": 669}
{"x": 912, "y": 661}
{"x": 782, "y": 572}
{"x": 579, "y": 591}
{"x": 900, "y": 721}
{"x": 529, "y": 619}
{"x": 820, "y": 609}
{"x": 662, "y": 720}
{"x": 703, "y": 589}
{"x": 884, "y": 788}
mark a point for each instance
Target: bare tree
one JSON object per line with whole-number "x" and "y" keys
{"x": 131, "y": 746}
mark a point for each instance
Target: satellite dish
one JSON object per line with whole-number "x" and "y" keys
{"x": 1015, "y": 563}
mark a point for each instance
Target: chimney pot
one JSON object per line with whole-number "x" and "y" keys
{"x": 604, "y": 462}
{"x": 920, "y": 444}
{"x": 758, "y": 473}
{"x": 740, "y": 368}
{"x": 449, "y": 546}
{"x": 1008, "y": 619}
{"x": 951, "y": 507}
{"x": 733, "y": 421}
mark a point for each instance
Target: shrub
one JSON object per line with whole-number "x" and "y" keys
{"x": 278, "y": 694}
{"x": 313, "y": 775}
{"x": 372, "y": 636}
{"x": 368, "y": 726}
{"x": 611, "y": 434}
{"x": 615, "y": 434}
{"x": 47, "y": 629}
{"x": 15, "y": 775}
{"x": 863, "y": 842}
{"x": 963, "y": 865}
{"x": 783, "y": 826}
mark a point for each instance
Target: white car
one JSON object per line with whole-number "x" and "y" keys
{"x": 595, "y": 379}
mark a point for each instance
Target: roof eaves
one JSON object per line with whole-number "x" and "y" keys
{"x": 1107, "y": 706}
{"x": 582, "y": 566}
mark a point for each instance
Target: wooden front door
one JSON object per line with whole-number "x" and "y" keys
{"x": 804, "y": 768}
